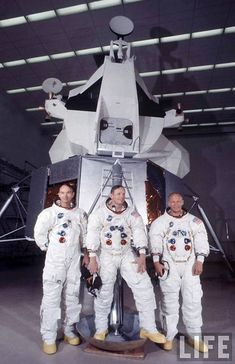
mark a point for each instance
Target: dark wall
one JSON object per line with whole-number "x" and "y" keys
{"x": 20, "y": 142}
{"x": 20, "y": 136}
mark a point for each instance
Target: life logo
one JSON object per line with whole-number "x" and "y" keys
{"x": 219, "y": 348}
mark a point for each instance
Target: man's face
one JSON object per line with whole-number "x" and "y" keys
{"x": 65, "y": 194}
{"x": 118, "y": 196}
{"x": 175, "y": 203}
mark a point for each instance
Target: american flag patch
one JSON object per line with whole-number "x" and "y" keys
{"x": 135, "y": 213}
{"x": 197, "y": 220}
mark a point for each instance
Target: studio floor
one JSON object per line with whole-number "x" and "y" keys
{"x": 20, "y": 340}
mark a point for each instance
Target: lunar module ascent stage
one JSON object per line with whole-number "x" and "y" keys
{"x": 112, "y": 134}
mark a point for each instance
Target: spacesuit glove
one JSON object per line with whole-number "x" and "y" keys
{"x": 93, "y": 265}
{"x": 159, "y": 268}
{"x": 141, "y": 263}
{"x": 197, "y": 268}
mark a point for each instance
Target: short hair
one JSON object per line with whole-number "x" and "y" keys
{"x": 114, "y": 188}
{"x": 175, "y": 193}
{"x": 68, "y": 185}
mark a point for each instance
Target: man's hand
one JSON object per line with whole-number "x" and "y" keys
{"x": 141, "y": 263}
{"x": 93, "y": 265}
{"x": 85, "y": 259}
{"x": 197, "y": 268}
{"x": 159, "y": 268}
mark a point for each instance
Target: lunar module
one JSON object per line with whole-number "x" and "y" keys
{"x": 114, "y": 114}
{"x": 112, "y": 131}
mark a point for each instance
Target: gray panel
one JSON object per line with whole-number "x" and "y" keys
{"x": 65, "y": 171}
{"x": 37, "y": 195}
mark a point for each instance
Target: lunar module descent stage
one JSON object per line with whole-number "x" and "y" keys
{"x": 111, "y": 124}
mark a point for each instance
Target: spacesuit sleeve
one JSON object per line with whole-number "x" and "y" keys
{"x": 83, "y": 225}
{"x": 138, "y": 231}
{"x": 200, "y": 239}
{"x": 42, "y": 227}
{"x": 156, "y": 235}
{"x": 94, "y": 228}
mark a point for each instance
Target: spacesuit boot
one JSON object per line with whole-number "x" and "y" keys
{"x": 49, "y": 348}
{"x": 197, "y": 343}
{"x": 70, "y": 337}
{"x": 156, "y": 337}
{"x": 72, "y": 340}
{"x": 101, "y": 335}
{"x": 168, "y": 345}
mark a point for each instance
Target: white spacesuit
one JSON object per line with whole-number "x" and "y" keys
{"x": 178, "y": 242}
{"x": 60, "y": 232}
{"x": 111, "y": 234}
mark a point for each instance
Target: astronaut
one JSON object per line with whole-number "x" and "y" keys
{"x": 111, "y": 229}
{"x": 60, "y": 231}
{"x": 179, "y": 245}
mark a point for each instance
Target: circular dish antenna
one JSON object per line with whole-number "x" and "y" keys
{"x": 121, "y": 26}
{"x": 52, "y": 85}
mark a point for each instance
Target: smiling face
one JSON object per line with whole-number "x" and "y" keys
{"x": 66, "y": 195}
{"x": 118, "y": 196}
{"x": 176, "y": 202}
